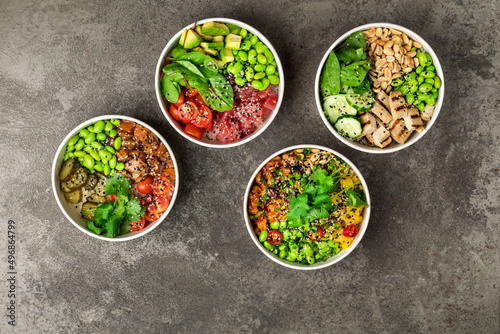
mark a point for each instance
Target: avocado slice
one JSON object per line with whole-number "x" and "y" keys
{"x": 212, "y": 45}
{"x": 233, "y": 41}
{"x": 219, "y": 63}
{"x": 233, "y": 28}
{"x": 198, "y": 49}
{"x": 218, "y": 39}
{"x": 183, "y": 37}
{"x": 214, "y": 29}
{"x": 226, "y": 56}
{"x": 205, "y": 38}
{"x": 207, "y": 49}
{"x": 177, "y": 51}
{"x": 192, "y": 39}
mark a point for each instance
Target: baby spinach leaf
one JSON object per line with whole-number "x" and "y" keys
{"x": 174, "y": 72}
{"x": 354, "y": 74}
{"x": 219, "y": 96}
{"x": 190, "y": 66}
{"x": 171, "y": 90}
{"x": 357, "y": 40}
{"x": 330, "y": 77}
{"x": 363, "y": 88}
{"x": 205, "y": 64}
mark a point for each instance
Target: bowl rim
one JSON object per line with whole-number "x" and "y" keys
{"x": 437, "y": 108}
{"x": 281, "y": 86}
{"x": 55, "y": 178}
{"x": 332, "y": 260}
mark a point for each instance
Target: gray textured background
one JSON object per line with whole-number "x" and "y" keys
{"x": 429, "y": 261}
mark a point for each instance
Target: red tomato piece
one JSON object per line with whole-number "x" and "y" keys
{"x": 199, "y": 101}
{"x": 188, "y": 111}
{"x": 193, "y": 131}
{"x": 138, "y": 225}
{"x": 162, "y": 202}
{"x": 274, "y": 237}
{"x": 174, "y": 112}
{"x": 350, "y": 231}
{"x": 145, "y": 187}
{"x": 180, "y": 101}
{"x": 318, "y": 235}
{"x": 191, "y": 92}
{"x": 113, "y": 197}
{"x": 204, "y": 117}
{"x": 161, "y": 185}
{"x": 151, "y": 217}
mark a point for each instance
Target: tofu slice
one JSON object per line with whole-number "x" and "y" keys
{"x": 369, "y": 139}
{"x": 379, "y": 110}
{"x": 368, "y": 122}
{"x": 413, "y": 120}
{"x": 399, "y": 131}
{"x": 382, "y": 137}
{"x": 397, "y": 104}
{"x": 383, "y": 98}
{"x": 427, "y": 113}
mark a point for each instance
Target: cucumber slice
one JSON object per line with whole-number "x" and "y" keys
{"x": 68, "y": 168}
{"x": 78, "y": 179}
{"x": 91, "y": 182}
{"x": 361, "y": 102}
{"x": 64, "y": 188}
{"x": 95, "y": 198}
{"x": 349, "y": 126}
{"x": 344, "y": 89}
{"x": 75, "y": 196}
{"x": 88, "y": 209}
{"x": 336, "y": 106}
{"x": 100, "y": 186}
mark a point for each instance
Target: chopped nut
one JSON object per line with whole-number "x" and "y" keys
{"x": 378, "y": 32}
{"x": 407, "y": 70}
{"x": 389, "y": 44}
{"x": 371, "y": 32}
{"x": 417, "y": 45}
{"x": 405, "y": 38}
{"x": 396, "y": 75}
{"x": 388, "y": 51}
{"x": 396, "y": 48}
{"x": 416, "y": 61}
{"x": 387, "y": 73}
{"x": 380, "y": 42}
{"x": 396, "y": 32}
{"x": 411, "y": 54}
{"x": 390, "y": 59}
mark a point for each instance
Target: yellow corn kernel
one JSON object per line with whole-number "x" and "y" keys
{"x": 346, "y": 182}
{"x": 344, "y": 241}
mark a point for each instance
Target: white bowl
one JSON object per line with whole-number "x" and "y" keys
{"x": 73, "y": 214}
{"x": 334, "y": 259}
{"x": 415, "y": 136}
{"x": 164, "y": 104}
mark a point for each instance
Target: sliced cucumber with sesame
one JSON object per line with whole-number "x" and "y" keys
{"x": 361, "y": 102}
{"x": 348, "y": 126}
{"x": 336, "y": 106}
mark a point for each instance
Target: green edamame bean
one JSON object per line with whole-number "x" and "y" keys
{"x": 411, "y": 75}
{"x": 276, "y": 251}
{"x": 268, "y": 245}
{"x": 113, "y": 133}
{"x": 112, "y": 162}
{"x": 428, "y": 74}
{"x": 104, "y": 161}
{"x": 259, "y": 75}
{"x": 84, "y": 133}
{"x": 70, "y": 149}
{"x": 98, "y": 166}
{"x": 286, "y": 234}
{"x": 243, "y": 32}
{"x": 90, "y": 138}
{"x": 105, "y": 154}
{"x": 419, "y": 69}
{"x": 261, "y": 58}
{"x": 87, "y": 148}
{"x": 270, "y": 69}
{"x": 108, "y": 126}
{"x": 106, "y": 170}
{"x": 88, "y": 161}
{"x": 275, "y": 225}
{"x": 120, "y": 166}
{"x": 434, "y": 90}
{"x": 261, "y": 48}
{"x": 430, "y": 100}
{"x": 423, "y": 97}
{"x": 91, "y": 128}
{"x": 265, "y": 83}
{"x": 421, "y": 106}
{"x": 66, "y": 156}
{"x": 118, "y": 143}
{"x": 292, "y": 257}
{"x": 405, "y": 89}
{"x": 81, "y": 160}
{"x": 420, "y": 80}
{"x": 73, "y": 141}
{"x": 269, "y": 55}
{"x": 101, "y": 136}
{"x": 243, "y": 55}
{"x": 246, "y": 45}
{"x": 429, "y": 58}
{"x": 234, "y": 51}
{"x": 236, "y": 57}
{"x": 256, "y": 84}
{"x": 437, "y": 82}
{"x": 435, "y": 94}
{"x": 79, "y": 154}
{"x": 263, "y": 236}
{"x": 239, "y": 80}
{"x": 99, "y": 126}
{"x": 274, "y": 79}
{"x": 425, "y": 87}
{"x": 110, "y": 149}
{"x": 430, "y": 68}
{"x": 422, "y": 59}
{"x": 249, "y": 72}
{"x": 230, "y": 68}
{"x": 413, "y": 85}
{"x": 237, "y": 68}
{"x": 429, "y": 81}
{"x": 282, "y": 254}
{"x": 397, "y": 82}
{"x": 115, "y": 121}
{"x": 97, "y": 145}
{"x": 95, "y": 155}
{"x": 254, "y": 40}
{"x": 252, "y": 57}
{"x": 410, "y": 98}
{"x": 259, "y": 68}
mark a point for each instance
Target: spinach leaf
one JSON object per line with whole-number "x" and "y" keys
{"x": 205, "y": 64}
{"x": 363, "y": 88}
{"x": 330, "y": 77}
{"x": 174, "y": 72}
{"x": 190, "y": 66}
{"x": 357, "y": 40}
{"x": 171, "y": 90}
{"x": 354, "y": 74}
{"x": 349, "y": 54}
{"x": 219, "y": 96}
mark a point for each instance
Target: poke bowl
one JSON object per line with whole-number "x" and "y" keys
{"x": 115, "y": 178}
{"x": 379, "y": 88}
{"x": 219, "y": 82}
{"x": 307, "y": 207}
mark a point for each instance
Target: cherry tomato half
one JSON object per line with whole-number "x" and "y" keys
{"x": 161, "y": 185}
{"x": 204, "y": 118}
{"x": 180, "y": 101}
{"x": 174, "y": 112}
{"x": 159, "y": 205}
{"x": 145, "y": 187}
{"x": 188, "y": 111}
{"x": 350, "y": 231}
{"x": 199, "y": 101}
{"x": 151, "y": 217}
{"x": 274, "y": 237}
{"x": 138, "y": 225}
{"x": 318, "y": 235}
{"x": 113, "y": 197}
{"x": 191, "y": 92}
{"x": 193, "y": 131}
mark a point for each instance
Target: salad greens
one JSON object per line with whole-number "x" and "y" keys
{"x": 113, "y": 218}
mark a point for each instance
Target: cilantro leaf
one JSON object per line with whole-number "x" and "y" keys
{"x": 354, "y": 198}
{"x": 92, "y": 227}
{"x": 118, "y": 185}
{"x": 113, "y": 226}
{"x": 102, "y": 212}
{"x": 133, "y": 210}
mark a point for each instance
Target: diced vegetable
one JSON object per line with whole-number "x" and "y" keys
{"x": 75, "y": 196}
{"x": 68, "y": 168}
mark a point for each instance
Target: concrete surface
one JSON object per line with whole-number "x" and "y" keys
{"x": 428, "y": 263}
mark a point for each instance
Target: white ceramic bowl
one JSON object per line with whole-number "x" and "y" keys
{"x": 334, "y": 259}
{"x": 164, "y": 104}
{"x": 415, "y": 136}
{"x": 73, "y": 214}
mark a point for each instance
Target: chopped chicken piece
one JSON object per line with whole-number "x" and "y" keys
{"x": 399, "y": 131}
{"x": 368, "y": 122}
{"x": 397, "y": 104}
{"x": 427, "y": 113}
{"x": 382, "y": 113}
{"x": 413, "y": 120}
{"x": 383, "y": 98}
{"x": 369, "y": 139}
{"x": 382, "y": 137}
